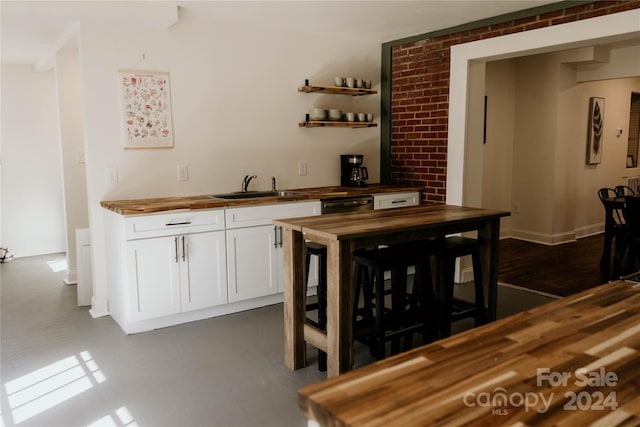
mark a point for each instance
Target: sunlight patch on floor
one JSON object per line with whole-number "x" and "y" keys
{"x": 122, "y": 417}
{"x": 57, "y": 265}
{"x": 47, "y": 387}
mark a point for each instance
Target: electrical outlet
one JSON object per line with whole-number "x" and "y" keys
{"x": 516, "y": 208}
{"x": 111, "y": 175}
{"x": 183, "y": 173}
{"x": 302, "y": 168}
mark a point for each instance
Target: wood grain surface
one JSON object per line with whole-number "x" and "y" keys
{"x": 342, "y": 233}
{"x": 160, "y": 204}
{"x": 573, "y": 362}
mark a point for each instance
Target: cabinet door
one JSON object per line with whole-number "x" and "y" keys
{"x": 203, "y": 270}
{"x": 154, "y": 277}
{"x": 251, "y": 262}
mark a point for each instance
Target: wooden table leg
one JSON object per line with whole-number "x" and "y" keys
{"x": 490, "y": 236}
{"x": 294, "y": 298}
{"x": 339, "y": 316}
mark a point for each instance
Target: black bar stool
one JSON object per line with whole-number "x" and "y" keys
{"x": 321, "y": 301}
{"x": 375, "y": 321}
{"x": 452, "y": 309}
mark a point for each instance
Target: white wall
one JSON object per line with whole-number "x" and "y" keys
{"x": 31, "y": 183}
{"x": 545, "y": 150}
{"x": 70, "y": 113}
{"x": 236, "y": 110}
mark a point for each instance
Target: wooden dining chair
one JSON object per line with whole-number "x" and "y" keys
{"x": 615, "y": 228}
{"x": 623, "y": 190}
{"x": 607, "y": 195}
{"x": 631, "y": 239}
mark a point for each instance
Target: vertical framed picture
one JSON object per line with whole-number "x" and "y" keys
{"x": 146, "y": 109}
{"x": 595, "y": 133}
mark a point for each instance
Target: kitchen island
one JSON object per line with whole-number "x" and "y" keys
{"x": 342, "y": 233}
{"x": 573, "y": 362}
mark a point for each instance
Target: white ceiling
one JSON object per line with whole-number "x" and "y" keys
{"x": 31, "y": 30}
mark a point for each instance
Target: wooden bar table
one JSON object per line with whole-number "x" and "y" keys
{"x": 571, "y": 362}
{"x": 342, "y": 233}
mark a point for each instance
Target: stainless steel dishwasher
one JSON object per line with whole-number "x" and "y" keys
{"x": 346, "y": 204}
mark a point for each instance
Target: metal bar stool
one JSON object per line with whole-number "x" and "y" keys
{"x": 378, "y": 322}
{"x": 452, "y": 309}
{"x": 321, "y": 301}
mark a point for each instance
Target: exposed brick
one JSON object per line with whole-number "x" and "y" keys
{"x": 420, "y": 94}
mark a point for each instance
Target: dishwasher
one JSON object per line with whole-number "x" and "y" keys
{"x": 346, "y": 204}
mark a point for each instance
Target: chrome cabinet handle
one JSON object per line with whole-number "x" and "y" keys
{"x": 275, "y": 236}
{"x": 169, "y": 224}
{"x": 175, "y": 241}
{"x": 399, "y": 201}
{"x": 280, "y": 228}
{"x": 184, "y": 252}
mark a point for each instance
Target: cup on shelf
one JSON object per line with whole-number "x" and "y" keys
{"x": 367, "y": 84}
{"x": 351, "y": 117}
{"x": 362, "y": 117}
{"x": 369, "y": 117}
{"x": 359, "y": 83}
{"x": 335, "y": 115}
{"x": 339, "y": 81}
{"x": 351, "y": 82}
{"x": 317, "y": 114}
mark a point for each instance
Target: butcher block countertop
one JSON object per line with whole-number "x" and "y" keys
{"x": 571, "y": 362}
{"x": 151, "y": 205}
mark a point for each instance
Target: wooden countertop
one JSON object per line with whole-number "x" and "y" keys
{"x": 150, "y": 205}
{"x": 352, "y": 225}
{"x": 486, "y": 375}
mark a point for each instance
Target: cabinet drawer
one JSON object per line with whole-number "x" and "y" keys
{"x": 263, "y": 215}
{"x": 166, "y": 224}
{"x": 396, "y": 200}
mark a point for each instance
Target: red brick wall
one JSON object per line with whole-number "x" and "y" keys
{"x": 420, "y": 94}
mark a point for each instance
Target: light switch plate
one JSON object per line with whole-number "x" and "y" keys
{"x": 111, "y": 175}
{"x": 302, "y": 168}
{"x": 183, "y": 173}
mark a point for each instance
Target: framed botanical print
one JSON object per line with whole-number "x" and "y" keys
{"x": 146, "y": 109}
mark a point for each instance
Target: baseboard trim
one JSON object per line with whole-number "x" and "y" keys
{"x": 71, "y": 277}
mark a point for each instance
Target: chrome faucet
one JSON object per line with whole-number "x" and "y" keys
{"x": 273, "y": 183}
{"x": 245, "y": 182}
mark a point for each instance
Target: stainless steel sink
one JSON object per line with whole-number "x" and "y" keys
{"x": 257, "y": 194}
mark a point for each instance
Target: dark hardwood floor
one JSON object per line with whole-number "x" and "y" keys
{"x": 559, "y": 270}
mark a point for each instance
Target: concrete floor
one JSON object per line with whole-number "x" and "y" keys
{"x": 60, "y": 367}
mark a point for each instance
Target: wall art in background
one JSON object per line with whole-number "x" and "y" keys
{"x": 146, "y": 109}
{"x": 595, "y": 134}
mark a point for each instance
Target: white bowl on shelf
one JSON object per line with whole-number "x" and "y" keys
{"x": 317, "y": 114}
{"x": 335, "y": 115}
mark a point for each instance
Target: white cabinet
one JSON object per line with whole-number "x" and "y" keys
{"x": 396, "y": 200}
{"x": 165, "y": 264}
{"x": 254, "y": 248}
{"x": 154, "y": 278}
{"x": 252, "y": 262}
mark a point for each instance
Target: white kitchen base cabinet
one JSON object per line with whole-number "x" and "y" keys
{"x": 154, "y": 277}
{"x": 176, "y": 274}
{"x": 166, "y": 269}
{"x": 252, "y": 262}
{"x": 179, "y": 266}
{"x": 254, "y": 248}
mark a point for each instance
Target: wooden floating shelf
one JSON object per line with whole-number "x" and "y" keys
{"x": 337, "y": 90}
{"x": 317, "y": 123}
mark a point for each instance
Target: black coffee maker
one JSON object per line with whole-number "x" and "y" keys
{"x": 353, "y": 174}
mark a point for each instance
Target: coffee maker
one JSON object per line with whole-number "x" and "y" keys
{"x": 353, "y": 174}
